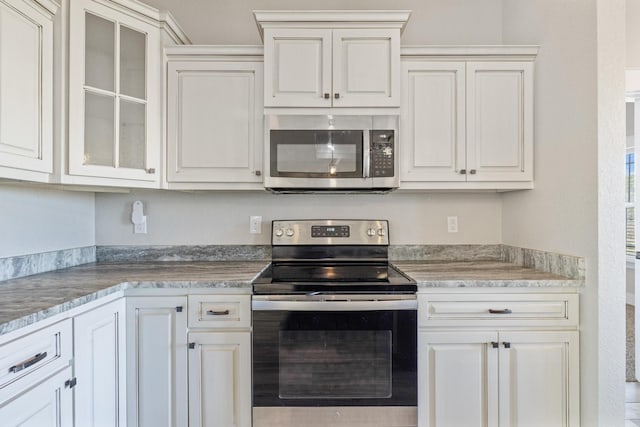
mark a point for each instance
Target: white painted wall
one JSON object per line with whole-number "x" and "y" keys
{"x": 34, "y": 220}
{"x": 633, "y": 33}
{"x": 220, "y": 218}
{"x": 432, "y": 21}
{"x": 579, "y": 128}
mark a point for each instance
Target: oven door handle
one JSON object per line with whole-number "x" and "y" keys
{"x": 315, "y": 305}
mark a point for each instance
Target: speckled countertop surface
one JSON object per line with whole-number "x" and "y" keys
{"x": 30, "y": 299}
{"x": 455, "y": 274}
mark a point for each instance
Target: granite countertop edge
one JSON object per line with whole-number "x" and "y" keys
{"x": 123, "y": 285}
{"x": 46, "y": 313}
{"x": 500, "y": 283}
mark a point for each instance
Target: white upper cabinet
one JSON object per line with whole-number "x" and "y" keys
{"x": 467, "y": 118}
{"x": 26, "y": 85}
{"x": 500, "y": 121}
{"x": 433, "y": 121}
{"x": 298, "y": 68}
{"x": 332, "y": 58}
{"x": 115, "y": 93}
{"x": 214, "y": 118}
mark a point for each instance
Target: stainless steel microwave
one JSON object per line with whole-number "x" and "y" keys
{"x": 331, "y": 153}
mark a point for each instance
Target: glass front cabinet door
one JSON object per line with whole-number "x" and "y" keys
{"x": 114, "y": 96}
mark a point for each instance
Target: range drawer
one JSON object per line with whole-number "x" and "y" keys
{"x": 219, "y": 311}
{"x": 507, "y": 309}
{"x": 28, "y": 359}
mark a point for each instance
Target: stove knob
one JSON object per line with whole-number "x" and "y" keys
{"x": 289, "y": 232}
{"x": 381, "y": 232}
{"x": 279, "y": 232}
{"x": 371, "y": 232}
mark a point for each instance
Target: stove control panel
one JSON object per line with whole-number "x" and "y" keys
{"x": 330, "y": 232}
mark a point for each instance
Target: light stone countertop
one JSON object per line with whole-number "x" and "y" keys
{"x": 496, "y": 274}
{"x": 33, "y": 298}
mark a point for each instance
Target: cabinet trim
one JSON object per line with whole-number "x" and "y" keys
{"x": 331, "y": 19}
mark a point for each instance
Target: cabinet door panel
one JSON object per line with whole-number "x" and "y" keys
{"x": 157, "y": 361}
{"x": 215, "y": 116}
{"x": 500, "y": 121}
{"x": 457, "y": 370}
{"x": 433, "y": 134}
{"x": 100, "y": 357}
{"x": 48, "y": 404}
{"x": 219, "y": 380}
{"x": 298, "y": 67}
{"x": 366, "y": 68}
{"x": 116, "y": 57}
{"x": 539, "y": 379}
{"x": 26, "y": 74}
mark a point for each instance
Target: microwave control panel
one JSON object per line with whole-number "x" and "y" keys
{"x": 382, "y": 154}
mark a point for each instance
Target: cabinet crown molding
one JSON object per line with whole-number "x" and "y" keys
{"x": 520, "y": 52}
{"x": 51, "y": 6}
{"x": 158, "y": 18}
{"x": 331, "y": 19}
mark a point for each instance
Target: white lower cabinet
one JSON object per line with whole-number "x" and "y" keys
{"x": 220, "y": 360}
{"x": 489, "y": 369}
{"x": 220, "y": 379}
{"x": 47, "y": 404}
{"x": 157, "y": 361}
{"x": 100, "y": 361}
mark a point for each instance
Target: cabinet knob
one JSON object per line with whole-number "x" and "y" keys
{"x": 494, "y": 344}
{"x": 179, "y": 309}
{"x": 506, "y": 344}
{"x": 327, "y": 96}
{"x": 472, "y": 171}
{"x": 258, "y": 173}
{"x": 336, "y": 96}
{"x": 463, "y": 171}
{"x": 151, "y": 171}
{"x": 192, "y": 345}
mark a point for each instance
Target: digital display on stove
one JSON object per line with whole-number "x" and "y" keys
{"x": 329, "y": 231}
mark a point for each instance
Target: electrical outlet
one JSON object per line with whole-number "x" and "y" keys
{"x": 141, "y": 228}
{"x": 255, "y": 225}
{"x": 452, "y": 224}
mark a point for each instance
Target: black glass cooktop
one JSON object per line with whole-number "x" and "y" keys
{"x": 332, "y": 277}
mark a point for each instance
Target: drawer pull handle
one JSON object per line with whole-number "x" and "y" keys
{"x": 504, "y": 311}
{"x": 218, "y": 313}
{"x": 27, "y": 363}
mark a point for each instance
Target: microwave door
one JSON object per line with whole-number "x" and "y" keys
{"x": 317, "y": 154}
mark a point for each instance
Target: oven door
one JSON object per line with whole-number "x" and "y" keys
{"x": 345, "y": 356}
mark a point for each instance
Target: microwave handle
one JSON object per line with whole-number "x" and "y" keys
{"x": 366, "y": 154}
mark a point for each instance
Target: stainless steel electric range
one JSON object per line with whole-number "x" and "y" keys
{"x": 334, "y": 329}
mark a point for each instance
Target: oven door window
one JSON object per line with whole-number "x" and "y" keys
{"x": 335, "y": 364}
{"x": 334, "y": 358}
{"x": 316, "y": 153}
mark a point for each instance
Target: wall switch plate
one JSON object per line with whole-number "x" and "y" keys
{"x": 255, "y": 225}
{"x": 452, "y": 224}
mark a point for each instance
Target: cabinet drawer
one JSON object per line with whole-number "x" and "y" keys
{"x": 28, "y": 359}
{"x": 219, "y": 311}
{"x": 516, "y": 310}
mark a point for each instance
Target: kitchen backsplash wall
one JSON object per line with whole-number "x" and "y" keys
{"x": 222, "y": 218}
{"x": 35, "y": 220}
